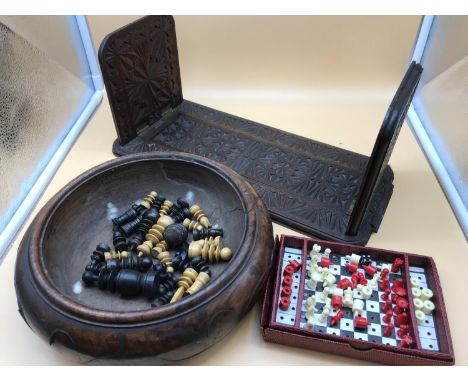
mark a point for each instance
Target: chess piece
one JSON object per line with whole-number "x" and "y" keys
{"x": 329, "y": 280}
{"x": 374, "y": 280}
{"x": 199, "y": 215}
{"x": 199, "y": 265}
{"x": 203, "y": 233}
{"x": 335, "y": 320}
{"x": 325, "y": 293}
{"x": 147, "y": 219}
{"x": 358, "y": 307}
{"x": 175, "y": 235}
{"x": 325, "y": 313}
{"x": 130, "y": 226}
{"x": 187, "y": 279}
{"x": 115, "y": 255}
{"x": 118, "y": 239}
{"x": 202, "y": 279}
{"x": 311, "y": 302}
{"x": 310, "y": 323}
{"x": 192, "y": 225}
{"x": 165, "y": 207}
{"x": 348, "y": 298}
{"x": 179, "y": 211}
{"x": 166, "y": 259}
{"x": 181, "y": 261}
{"x": 141, "y": 264}
{"x": 315, "y": 277}
{"x": 128, "y": 215}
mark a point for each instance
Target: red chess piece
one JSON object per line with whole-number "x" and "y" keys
{"x": 385, "y": 296}
{"x": 398, "y": 283}
{"x": 397, "y": 264}
{"x": 406, "y": 342}
{"x": 388, "y": 330}
{"x": 384, "y": 284}
{"x": 284, "y": 303}
{"x": 336, "y": 302}
{"x": 343, "y": 284}
{"x": 403, "y": 330}
{"x": 325, "y": 262}
{"x": 386, "y": 306}
{"x": 351, "y": 267}
{"x": 388, "y": 316}
{"x": 363, "y": 282}
{"x": 369, "y": 269}
{"x": 288, "y": 270}
{"x": 336, "y": 318}
{"x": 361, "y": 322}
{"x": 286, "y": 291}
{"x": 287, "y": 281}
{"x": 401, "y": 305}
{"x": 384, "y": 273}
{"x": 401, "y": 319}
{"x": 295, "y": 264}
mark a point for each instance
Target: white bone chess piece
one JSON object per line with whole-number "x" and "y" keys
{"x": 325, "y": 313}
{"x": 329, "y": 280}
{"x": 325, "y": 293}
{"x": 375, "y": 279}
{"x": 327, "y": 252}
{"x": 353, "y": 258}
{"x": 310, "y": 323}
{"x": 358, "y": 307}
{"x": 315, "y": 277}
{"x": 348, "y": 298}
{"x": 366, "y": 292}
{"x": 311, "y": 302}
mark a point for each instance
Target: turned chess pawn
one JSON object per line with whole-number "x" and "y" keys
{"x": 158, "y": 248}
{"x": 199, "y": 215}
{"x": 187, "y": 279}
{"x": 130, "y": 226}
{"x": 166, "y": 259}
{"x": 149, "y": 199}
{"x": 105, "y": 279}
{"x": 115, "y": 255}
{"x": 101, "y": 248}
{"x": 132, "y": 262}
{"x": 202, "y": 279}
{"x": 165, "y": 207}
{"x": 128, "y": 215}
{"x": 199, "y": 265}
{"x": 206, "y": 232}
{"x": 181, "y": 261}
{"x": 180, "y": 211}
{"x": 163, "y": 299}
{"x": 175, "y": 235}
{"x": 192, "y": 225}
{"x": 158, "y": 202}
{"x": 118, "y": 239}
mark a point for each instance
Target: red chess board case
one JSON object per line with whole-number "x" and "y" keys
{"x": 296, "y": 334}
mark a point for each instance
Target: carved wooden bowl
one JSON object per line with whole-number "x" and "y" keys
{"x": 58, "y": 244}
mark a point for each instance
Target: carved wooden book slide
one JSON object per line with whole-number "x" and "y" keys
{"x": 309, "y": 186}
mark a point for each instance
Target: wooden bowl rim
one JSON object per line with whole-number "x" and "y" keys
{"x": 56, "y": 300}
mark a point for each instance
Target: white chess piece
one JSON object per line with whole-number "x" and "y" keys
{"x": 375, "y": 279}
{"x": 310, "y": 323}
{"x": 366, "y": 292}
{"x": 327, "y": 252}
{"x": 314, "y": 279}
{"x": 324, "y": 315}
{"x": 348, "y": 298}
{"x": 329, "y": 280}
{"x": 358, "y": 307}
{"x": 325, "y": 293}
{"x": 311, "y": 301}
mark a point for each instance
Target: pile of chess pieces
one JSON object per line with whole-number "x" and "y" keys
{"x": 153, "y": 256}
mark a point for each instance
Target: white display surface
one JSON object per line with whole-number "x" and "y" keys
{"x": 418, "y": 219}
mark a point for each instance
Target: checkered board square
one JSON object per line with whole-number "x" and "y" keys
{"x": 372, "y": 308}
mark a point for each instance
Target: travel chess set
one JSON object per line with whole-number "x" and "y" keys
{"x": 371, "y": 304}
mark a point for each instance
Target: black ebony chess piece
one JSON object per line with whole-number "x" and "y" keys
{"x": 131, "y": 283}
{"x": 158, "y": 202}
{"x": 199, "y": 265}
{"x": 118, "y": 239}
{"x": 365, "y": 260}
{"x": 128, "y": 215}
{"x": 130, "y": 226}
{"x": 105, "y": 279}
{"x": 140, "y": 264}
{"x": 175, "y": 235}
{"x": 98, "y": 253}
{"x": 181, "y": 260}
{"x": 148, "y": 218}
{"x": 95, "y": 267}
{"x": 180, "y": 211}
{"x": 203, "y": 233}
